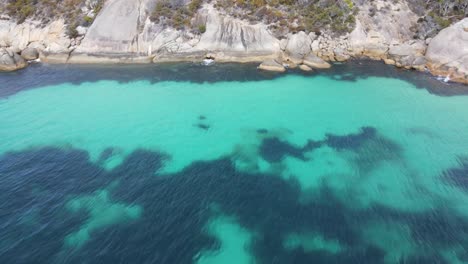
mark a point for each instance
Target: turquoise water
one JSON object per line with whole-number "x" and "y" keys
{"x": 381, "y": 163}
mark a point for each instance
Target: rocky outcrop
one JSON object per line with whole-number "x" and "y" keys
{"x": 316, "y": 62}
{"x": 305, "y": 68}
{"x": 30, "y": 36}
{"x": 51, "y": 37}
{"x": 30, "y": 53}
{"x": 122, "y": 32}
{"x": 299, "y": 44}
{"x": 227, "y": 38}
{"x": 381, "y": 24}
{"x": 272, "y": 65}
{"x": 224, "y": 33}
{"x": 409, "y": 55}
{"x": 117, "y": 28}
{"x": 11, "y": 61}
{"x": 447, "y": 54}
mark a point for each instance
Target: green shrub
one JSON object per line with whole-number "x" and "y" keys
{"x": 71, "y": 30}
{"x": 88, "y": 19}
{"x": 336, "y": 15}
{"x": 442, "y": 22}
{"x": 20, "y": 9}
{"x": 47, "y": 10}
{"x": 177, "y": 16}
{"x": 202, "y": 28}
{"x": 194, "y": 6}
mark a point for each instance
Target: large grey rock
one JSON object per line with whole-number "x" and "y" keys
{"x": 414, "y": 48}
{"x": 225, "y": 36}
{"x": 30, "y": 54}
{"x": 224, "y": 33}
{"x": 419, "y": 63}
{"x": 33, "y": 34}
{"x": 369, "y": 44}
{"x": 117, "y": 27}
{"x": 388, "y": 23}
{"x": 305, "y": 68}
{"x": 341, "y": 54}
{"x": 299, "y": 44}
{"x": 10, "y": 61}
{"x": 401, "y": 50}
{"x": 271, "y": 65}
{"x": 315, "y": 62}
{"x": 293, "y": 58}
{"x": 409, "y": 55}
{"x": 391, "y": 21}
{"x": 447, "y": 53}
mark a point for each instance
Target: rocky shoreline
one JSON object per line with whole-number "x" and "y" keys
{"x": 229, "y": 39}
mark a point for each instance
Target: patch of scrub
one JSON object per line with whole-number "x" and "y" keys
{"x": 394, "y": 239}
{"x": 234, "y": 242}
{"x": 102, "y": 212}
{"x": 311, "y": 242}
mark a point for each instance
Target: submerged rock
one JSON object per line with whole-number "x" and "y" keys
{"x": 11, "y": 61}
{"x": 203, "y": 126}
{"x": 272, "y": 65}
{"x": 316, "y": 62}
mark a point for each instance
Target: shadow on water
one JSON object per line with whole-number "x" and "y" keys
{"x": 38, "y": 75}
{"x": 37, "y": 186}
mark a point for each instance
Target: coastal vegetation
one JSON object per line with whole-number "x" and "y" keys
{"x": 437, "y": 14}
{"x": 48, "y": 10}
{"x": 282, "y": 16}
{"x": 177, "y": 14}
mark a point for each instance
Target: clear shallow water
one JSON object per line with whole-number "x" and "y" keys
{"x": 189, "y": 164}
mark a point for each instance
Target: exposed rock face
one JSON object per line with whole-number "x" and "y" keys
{"x": 117, "y": 28}
{"x": 316, "y": 62}
{"x": 299, "y": 44}
{"x": 226, "y": 37}
{"x": 381, "y": 24}
{"x": 224, "y": 33}
{"x": 52, "y": 37}
{"x": 370, "y": 44}
{"x": 305, "y": 68}
{"x": 11, "y": 61}
{"x": 409, "y": 55}
{"x": 447, "y": 54}
{"x": 272, "y": 65}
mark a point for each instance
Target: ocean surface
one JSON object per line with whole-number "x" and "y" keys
{"x": 183, "y": 163}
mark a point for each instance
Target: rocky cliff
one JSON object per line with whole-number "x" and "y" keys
{"x": 447, "y": 54}
{"x": 125, "y": 31}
